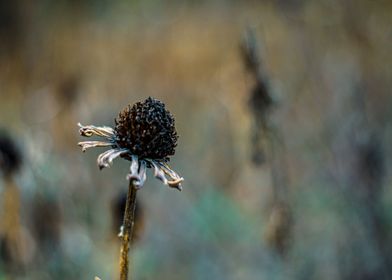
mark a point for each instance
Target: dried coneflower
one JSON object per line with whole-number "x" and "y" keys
{"x": 145, "y": 135}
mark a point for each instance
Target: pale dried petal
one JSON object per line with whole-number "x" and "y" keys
{"x": 169, "y": 171}
{"x": 176, "y": 179}
{"x": 90, "y": 130}
{"x": 134, "y": 165}
{"x": 142, "y": 173}
{"x": 176, "y": 184}
{"x": 91, "y": 144}
{"x": 137, "y": 172}
{"x": 160, "y": 171}
{"x": 106, "y": 158}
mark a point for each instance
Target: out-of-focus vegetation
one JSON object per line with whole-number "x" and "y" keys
{"x": 328, "y": 65}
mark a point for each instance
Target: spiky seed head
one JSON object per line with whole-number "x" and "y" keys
{"x": 147, "y": 130}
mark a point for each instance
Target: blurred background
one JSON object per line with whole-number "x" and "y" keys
{"x": 283, "y": 109}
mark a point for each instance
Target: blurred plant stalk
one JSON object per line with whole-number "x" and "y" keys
{"x": 10, "y": 221}
{"x": 268, "y": 146}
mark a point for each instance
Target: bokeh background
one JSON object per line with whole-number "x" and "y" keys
{"x": 283, "y": 109}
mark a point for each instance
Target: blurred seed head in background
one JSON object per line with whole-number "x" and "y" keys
{"x": 10, "y": 154}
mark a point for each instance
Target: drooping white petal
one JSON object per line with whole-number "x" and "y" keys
{"x": 176, "y": 184}
{"x": 134, "y": 165}
{"x": 176, "y": 179}
{"x": 169, "y": 171}
{"x": 142, "y": 173}
{"x": 90, "y": 130}
{"x": 106, "y": 158}
{"x": 91, "y": 144}
{"x": 160, "y": 172}
{"x": 137, "y": 172}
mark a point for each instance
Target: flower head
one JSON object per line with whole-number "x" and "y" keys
{"x": 147, "y": 130}
{"x": 144, "y": 134}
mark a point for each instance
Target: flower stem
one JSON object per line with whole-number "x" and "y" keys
{"x": 128, "y": 223}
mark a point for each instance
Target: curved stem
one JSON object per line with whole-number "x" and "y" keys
{"x": 128, "y": 223}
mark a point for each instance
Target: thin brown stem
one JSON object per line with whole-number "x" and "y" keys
{"x": 128, "y": 223}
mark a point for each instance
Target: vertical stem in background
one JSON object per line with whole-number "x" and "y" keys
{"x": 10, "y": 227}
{"x": 268, "y": 146}
{"x": 128, "y": 223}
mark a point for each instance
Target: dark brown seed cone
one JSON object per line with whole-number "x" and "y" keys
{"x": 147, "y": 130}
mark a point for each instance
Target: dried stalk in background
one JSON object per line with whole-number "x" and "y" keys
{"x": 268, "y": 145}
{"x": 11, "y": 242}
